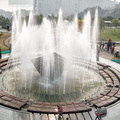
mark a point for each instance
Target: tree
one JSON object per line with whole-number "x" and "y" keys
{"x": 101, "y": 24}
{"x": 1, "y": 34}
{"x": 39, "y": 19}
{"x": 115, "y": 22}
{"x": 4, "y": 21}
{"x": 80, "y": 24}
{"x": 108, "y": 18}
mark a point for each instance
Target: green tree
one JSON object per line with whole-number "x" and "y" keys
{"x": 115, "y": 22}
{"x": 101, "y": 24}
{"x": 80, "y": 24}
{"x": 39, "y": 19}
{"x": 108, "y": 18}
{"x": 4, "y": 21}
{"x": 1, "y": 34}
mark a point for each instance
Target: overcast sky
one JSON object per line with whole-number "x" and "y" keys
{"x": 26, "y": 4}
{"x": 15, "y": 4}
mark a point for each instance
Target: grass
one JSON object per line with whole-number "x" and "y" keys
{"x": 3, "y": 37}
{"x": 113, "y": 34}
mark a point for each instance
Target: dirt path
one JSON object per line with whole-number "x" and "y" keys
{"x": 7, "y": 42}
{"x": 108, "y": 55}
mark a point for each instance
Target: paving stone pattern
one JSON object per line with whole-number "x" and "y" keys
{"x": 9, "y": 114}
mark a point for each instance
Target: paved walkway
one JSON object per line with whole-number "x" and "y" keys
{"x": 5, "y": 30}
{"x": 9, "y": 114}
{"x": 114, "y": 110}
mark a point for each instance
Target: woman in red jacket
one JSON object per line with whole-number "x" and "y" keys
{"x": 60, "y": 110}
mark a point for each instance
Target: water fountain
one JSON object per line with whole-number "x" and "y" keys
{"x": 53, "y": 61}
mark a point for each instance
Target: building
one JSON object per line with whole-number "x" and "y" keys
{"x": 20, "y": 2}
{"x": 52, "y": 6}
{"x": 68, "y": 7}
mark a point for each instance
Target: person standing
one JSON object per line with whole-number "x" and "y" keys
{"x": 101, "y": 44}
{"x": 117, "y": 53}
{"x": 113, "y": 48}
{"x": 0, "y": 53}
{"x": 60, "y": 110}
{"x": 7, "y": 27}
{"x": 109, "y": 45}
{"x": 98, "y": 115}
{"x": 10, "y": 48}
{"x": 98, "y": 53}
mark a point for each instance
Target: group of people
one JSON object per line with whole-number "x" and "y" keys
{"x": 110, "y": 46}
{"x": 98, "y": 112}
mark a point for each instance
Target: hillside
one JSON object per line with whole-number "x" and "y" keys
{"x": 5, "y": 14}
{"x": 115, "y": 13}
{"x": 8, "y": 14}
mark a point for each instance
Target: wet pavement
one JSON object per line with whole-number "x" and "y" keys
{"x": 113, "y": 111}
{"x": 9, "y": 114}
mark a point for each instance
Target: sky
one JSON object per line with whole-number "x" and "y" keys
{"x": 24, "y": 4}
{"x": 10, "y": 5}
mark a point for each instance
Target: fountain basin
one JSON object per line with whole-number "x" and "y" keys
{"x": 83, "y": 81}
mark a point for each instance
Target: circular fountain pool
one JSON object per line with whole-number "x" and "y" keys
{"x": 81, "y": 83}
